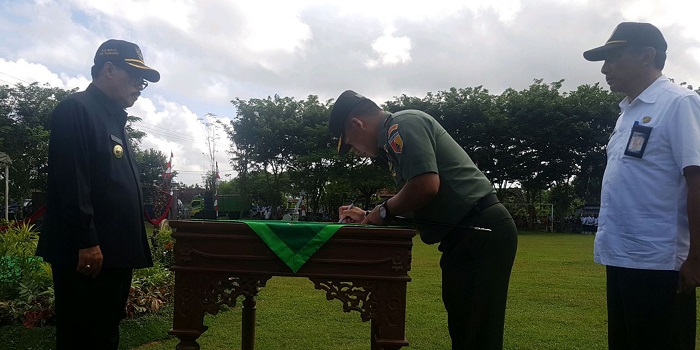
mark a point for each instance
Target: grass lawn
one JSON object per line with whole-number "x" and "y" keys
{"x": 556, "y": 301}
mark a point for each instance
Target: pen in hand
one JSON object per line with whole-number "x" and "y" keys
{"x": 349, "y": 207}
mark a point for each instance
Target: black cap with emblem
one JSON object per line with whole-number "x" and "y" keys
{"x": 629, "y": 33}
{"x": 126, "y": 55}
{"x": 345, "y": 103}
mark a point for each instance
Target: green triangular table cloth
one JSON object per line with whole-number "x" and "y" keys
{"x": 292, "y": 241}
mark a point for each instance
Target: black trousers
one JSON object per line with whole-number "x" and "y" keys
{"x": 88, "y": 310}
{"x": 476, "y": 268}
{"x": 645, "y": 312}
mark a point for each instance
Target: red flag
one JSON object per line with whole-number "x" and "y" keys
{"x": 169, "y": 168}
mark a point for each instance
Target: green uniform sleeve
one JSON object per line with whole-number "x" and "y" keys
{"x": 412, "y": 142}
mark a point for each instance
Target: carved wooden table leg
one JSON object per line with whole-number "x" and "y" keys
{"x": 248, "y": 323}
{"x": 382, "y": 302}
{"x": 373, "y": 336}
{"x": 187, "y": 342}
{"x": 388, "y": 320}
{"x": 188, "y": 316}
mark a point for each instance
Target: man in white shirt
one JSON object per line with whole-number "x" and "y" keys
{"x": 649, "y": 223}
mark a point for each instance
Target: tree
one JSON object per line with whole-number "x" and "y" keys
{"x": 315, "y": 156}
{"x": 155, "y": 188}
{"x": 266, "y": 135}
{"x": 595, "y": 112}
{"x": 541, "y": 128}
{"x": 557, "y": 134}
{"x": 152, "y": 165}
{"x": 24, "y": 133}
{"x": 134, "y": 135}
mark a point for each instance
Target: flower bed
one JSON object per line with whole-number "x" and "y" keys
{"x": 26, "y": 287}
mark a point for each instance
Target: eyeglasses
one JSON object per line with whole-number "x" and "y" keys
{"x": 137, "y": 82}
{"x": 142, "y": 84}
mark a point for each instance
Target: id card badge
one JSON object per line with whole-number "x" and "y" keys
{"x": 637, "y": 142}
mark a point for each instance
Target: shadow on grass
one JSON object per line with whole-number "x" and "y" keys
{"x": 134, "y": 332}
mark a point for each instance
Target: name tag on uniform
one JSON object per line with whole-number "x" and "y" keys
{"x": 116, "y": 139}
{"x": 637, "y": 142}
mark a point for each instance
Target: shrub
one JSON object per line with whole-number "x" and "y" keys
{"x": 26, "y": 286}
{"x": 151, "y": 288}
{"x": 162, "y": 244}
{"x": 26, "y": 292}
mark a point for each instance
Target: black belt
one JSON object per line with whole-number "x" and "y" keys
{"x": 483, "y": 203}
{"x": 451, "y": 239}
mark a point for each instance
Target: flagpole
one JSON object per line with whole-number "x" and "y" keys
{"x": 216, "y": 192}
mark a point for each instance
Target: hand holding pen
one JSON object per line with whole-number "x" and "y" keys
{"x": 350, "y": 214}
{"x": 345, "y": 217}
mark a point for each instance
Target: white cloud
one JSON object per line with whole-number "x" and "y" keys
{"x": 23, "y": 72}
{"x": 273, "y": 27}
{"x": 210, "y": 52}
{"x": 172, "y": 127}
{"x": 391, "y": 50}
{"x": 177, "y": 13}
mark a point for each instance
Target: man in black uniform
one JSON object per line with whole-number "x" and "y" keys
{"x": 94, "y": 233}
{"x": 441, "y": 187}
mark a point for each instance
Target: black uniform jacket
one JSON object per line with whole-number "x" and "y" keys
{"x": 94, "y": 192}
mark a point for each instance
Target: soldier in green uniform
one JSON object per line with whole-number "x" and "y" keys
{"x": 441, "y": 187}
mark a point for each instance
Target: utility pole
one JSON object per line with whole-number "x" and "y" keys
{"x": 210, "y": 129}
{"x": 210, "y": 122}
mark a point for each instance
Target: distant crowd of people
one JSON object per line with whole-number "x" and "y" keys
{"x": 287, "y": 214}
{"x": 262, "y": 212}
{"x": 589, "y": 224}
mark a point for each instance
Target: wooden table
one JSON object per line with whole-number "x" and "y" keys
{"x": 366, "y": 268}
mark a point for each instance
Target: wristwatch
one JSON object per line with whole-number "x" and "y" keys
{"x": 384, "y": 210}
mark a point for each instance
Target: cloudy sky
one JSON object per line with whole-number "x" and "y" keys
{"x": 212, "y": 51}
